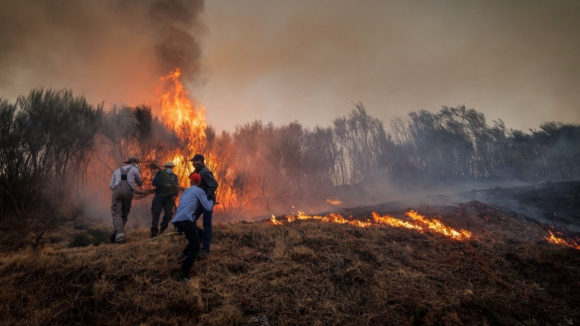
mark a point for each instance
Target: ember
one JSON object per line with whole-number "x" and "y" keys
{"x": 334, "y": 202}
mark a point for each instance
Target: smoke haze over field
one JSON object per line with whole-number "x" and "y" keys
{"x": 305, "y": 60}
{"x": 308, "y": 60}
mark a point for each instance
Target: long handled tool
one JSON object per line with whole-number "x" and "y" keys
{"x": 161, "y": 236}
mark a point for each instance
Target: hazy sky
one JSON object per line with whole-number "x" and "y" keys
{"x": 282, "y": 61}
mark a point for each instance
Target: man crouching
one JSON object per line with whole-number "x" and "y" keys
{"x": 184, "y": 221}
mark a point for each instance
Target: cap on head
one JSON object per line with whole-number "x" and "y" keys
{"x": 169, "y": 164}
{"x": 198, "y": 157}
{"x": 132, "y": 159}
{"x": 195, "y": 177}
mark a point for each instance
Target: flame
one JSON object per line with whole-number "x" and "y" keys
{"x": 331, "y": 218}
{"x": 437, "y": 226}
{"x": 178, "y": 111}
{"x": 570, "y": 243}
{"x": 334, "y": 202}
{"x": 419, "y": 223}
{"x": 394, "y": 222}
{"x": 274, "y": 221}
{"x": 186, "y": 119}
{"x": 182, "y": 115}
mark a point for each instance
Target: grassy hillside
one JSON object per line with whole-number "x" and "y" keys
{"x": 306, "y": 273}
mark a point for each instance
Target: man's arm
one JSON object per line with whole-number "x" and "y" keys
{"x": 138, "y": 179}
{"x": 210, "y": 181}
{"x": 156, "y": 180}
{"x": 112, "y": 183}
{"x": 207, "y": 204}
{"x": 176, "y": 186}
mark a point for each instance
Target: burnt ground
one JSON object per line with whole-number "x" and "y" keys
{"x": 310, "y": 272}
{"x": 552, "y": 203}
{"x": 555, "y": 203}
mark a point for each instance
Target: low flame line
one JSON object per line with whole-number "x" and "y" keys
{"x": 419, "y": 223}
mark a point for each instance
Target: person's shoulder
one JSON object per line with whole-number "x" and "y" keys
{"x": 186, "y": 192}
{"x": 198, "y": 190}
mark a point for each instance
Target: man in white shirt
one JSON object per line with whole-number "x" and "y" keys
{"x": 122, "y": 184}
{"x": 191, "y": 198}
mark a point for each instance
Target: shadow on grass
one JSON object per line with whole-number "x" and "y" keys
{"x": 90, "y": 236}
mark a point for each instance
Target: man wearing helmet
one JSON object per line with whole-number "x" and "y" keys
{"x": 166, "y": 189}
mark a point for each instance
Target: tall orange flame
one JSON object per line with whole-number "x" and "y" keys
{"x": 178, "y": 112}
{"x": 186, "y": 119}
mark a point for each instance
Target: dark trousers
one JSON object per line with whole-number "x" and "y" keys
{"x": 207, "y": 215}
{"x": 163, "y": 202}
{"x": 193, "y": 234}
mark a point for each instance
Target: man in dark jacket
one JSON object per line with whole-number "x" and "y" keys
{"x": 209, "y": 185}
{"x": 166, "y": 189}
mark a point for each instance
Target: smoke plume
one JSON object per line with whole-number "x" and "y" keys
{"x": 100, "y": 48}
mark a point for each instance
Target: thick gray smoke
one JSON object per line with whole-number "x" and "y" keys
{"x": 114, "y": 49}
{"x": 175, "y": 45}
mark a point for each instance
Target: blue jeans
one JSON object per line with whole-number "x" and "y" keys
{"x": 206, "y": 226}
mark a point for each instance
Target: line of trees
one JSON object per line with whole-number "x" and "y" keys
{"x": 52, "y": 144}
{"x": 457, "y": 142}
{"x": 288, "y": 164}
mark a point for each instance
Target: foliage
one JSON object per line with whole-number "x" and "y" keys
{"x": 457, "y": 142}
{"x": 47, "y": 138}
{"x": 274, "y": 167}
{"x": 131, "y": 131}
{"x": 362, "y": 144}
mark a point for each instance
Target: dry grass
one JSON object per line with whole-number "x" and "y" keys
{"x": 305, "y": 273}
